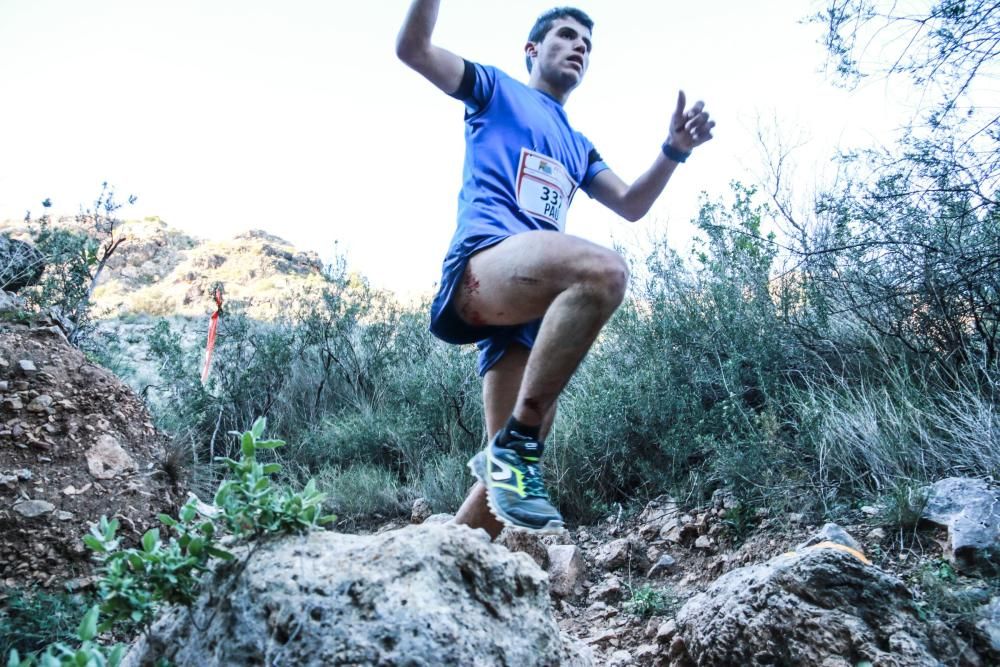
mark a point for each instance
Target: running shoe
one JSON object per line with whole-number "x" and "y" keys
{"x": 515, "y": 490}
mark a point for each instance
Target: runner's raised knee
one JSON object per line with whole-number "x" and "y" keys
{"x": 607, "y": 278}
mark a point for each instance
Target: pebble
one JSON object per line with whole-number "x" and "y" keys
{"x": 33, "y": 508}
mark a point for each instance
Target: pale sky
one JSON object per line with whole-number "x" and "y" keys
{"x": 296, "y": 117}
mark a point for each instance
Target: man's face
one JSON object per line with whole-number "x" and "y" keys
{"x": 563, "y": 55}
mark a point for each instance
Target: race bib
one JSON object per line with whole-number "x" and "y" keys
{"x": 544, "y": 188}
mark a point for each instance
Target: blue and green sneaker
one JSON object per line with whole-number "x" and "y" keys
{"x": 515, "y": 491}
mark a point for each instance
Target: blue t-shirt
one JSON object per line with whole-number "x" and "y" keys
{"x": 523, "y": 164}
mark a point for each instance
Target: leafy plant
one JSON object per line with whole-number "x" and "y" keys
{"x": 76, "y": 258}
{"x": 31, "y": 620}
{"x": 646, "y": 601}
{"x": 250, "y": 506}
{"x": 740, "y": 521}
{"x": 88, "y": 654}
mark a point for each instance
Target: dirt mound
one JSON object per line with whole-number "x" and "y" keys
{"x": 75, "y": 444}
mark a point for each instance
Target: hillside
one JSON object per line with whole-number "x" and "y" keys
{"x": 159, "y": 270}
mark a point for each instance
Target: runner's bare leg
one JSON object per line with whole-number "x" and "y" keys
{"x": 500, "y": 388}
{"x": 575, "y": 284}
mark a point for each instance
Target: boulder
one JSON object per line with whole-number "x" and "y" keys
{"x": 663, "y": 566}
{"x": 10, "y": 302}
{"x": 21, "y": 264}
{"x": 609, "y": 590}
{"x": 989, "y": 625}
{"x": 107, "y": 459}
{"x": 970, "y": 510}
{"x": 421, "y": 595}
{"x": 802, "y": 608}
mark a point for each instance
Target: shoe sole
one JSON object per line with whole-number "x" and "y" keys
{"x": 553, "y": 527}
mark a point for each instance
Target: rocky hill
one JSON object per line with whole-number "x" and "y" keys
{"x": 159, "y": 270}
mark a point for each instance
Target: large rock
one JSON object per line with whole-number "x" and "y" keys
{"x": 421, "y": 595}
{"x": 970, "y": 510}
{"x": 815, "y": 607}
{"x": 21, "y": 264}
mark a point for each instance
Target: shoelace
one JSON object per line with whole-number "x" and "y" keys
{"x": 533, "y": 485}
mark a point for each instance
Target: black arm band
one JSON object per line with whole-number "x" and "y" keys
{"x": 468, "y": 82}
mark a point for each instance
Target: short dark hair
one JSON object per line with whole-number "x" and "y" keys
{"x": 545, "y": 21}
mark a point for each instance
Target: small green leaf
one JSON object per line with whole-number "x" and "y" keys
{"x": 94, "y": 544}
{"x": 196, "y": 546}
{"x": 150, "y": 540}
{"x": 272, "y": 468}
{"x": 247, "y": 445}
{"x": 220, "y": 553}
{"x": 167, "y": 520}
{"x": 258, "y": 427}
{"x": 270, "y": 444}
{"x": 88, "y": 626}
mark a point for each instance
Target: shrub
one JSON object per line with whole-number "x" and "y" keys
{"x": 75, "y": 260}
{"x": 31, "y": 620}
{"x": 645, "y": 601}
{"x": 363, "y": 492}
{"x": 88, "y": 653}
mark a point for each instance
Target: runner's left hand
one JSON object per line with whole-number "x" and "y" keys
{"x": 689, "y": 128}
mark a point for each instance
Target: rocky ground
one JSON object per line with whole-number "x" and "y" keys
{"x": 618, "y": 586}
{"x": 75, "y": 443}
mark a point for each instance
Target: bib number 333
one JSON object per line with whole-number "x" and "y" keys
{"x": 544, "y": 188}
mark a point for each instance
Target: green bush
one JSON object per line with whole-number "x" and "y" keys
{"x": 685, "y": 390}
{"x": 363, "y": 492}
{"x": 31, "y": 620}
{"x": 645, "y": 601}
{"x": 89, "y": 653}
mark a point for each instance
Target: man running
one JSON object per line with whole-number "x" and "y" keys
{"x": 532, "y": 297}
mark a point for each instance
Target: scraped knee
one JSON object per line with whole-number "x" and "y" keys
{"x": 608, "y": 277}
